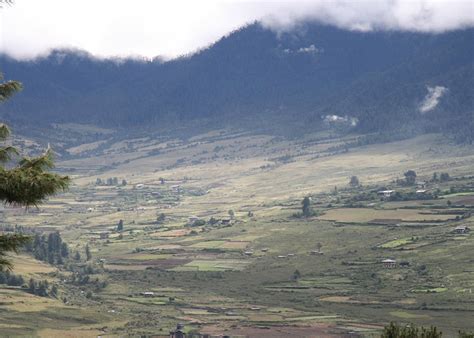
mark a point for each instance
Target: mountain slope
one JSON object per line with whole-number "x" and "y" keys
{"x": 254, "y": 75}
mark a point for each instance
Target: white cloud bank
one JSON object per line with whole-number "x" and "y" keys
{"x": 432, "y": 98}
{"x": 175, "y": 27}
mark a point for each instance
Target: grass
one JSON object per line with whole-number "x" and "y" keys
{"x": 396, "y": 243}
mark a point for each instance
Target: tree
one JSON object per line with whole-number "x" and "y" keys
{"x": 354, "y": 182}
{"x": 124, "y": 182}
{"x": 444, "y": 177}
{"x": 231, "y": 214}
{"x": 23, "y": 181}
{"x": 120, "y": 225}
{"x": 161, "y": 218}
{"x": 32, "y": 286}
{"x": 296, "y": 275}
{"x": 88, "y": 253}
{"x": 410, "y": 177}
{"x": 396, "y": 331}
{"x": 319, "y": 246}
{"x": 77, "y": 256}
{"x": 54, "y": 291}
{"x": 306, "y": 207}
{"x": 64, "y": 250}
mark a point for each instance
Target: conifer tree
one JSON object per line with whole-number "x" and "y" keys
{"x": 88, "y": 253}
{"x": 24, "y": 181}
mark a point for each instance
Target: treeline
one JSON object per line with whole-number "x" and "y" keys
{"x": 111, "y": 181}
{"x": 48, "y": 248}
{"x": 394, "y": 330}
{"x": 40, "y": 288}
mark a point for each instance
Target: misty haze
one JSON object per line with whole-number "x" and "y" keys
{"x": 213, "y": 168}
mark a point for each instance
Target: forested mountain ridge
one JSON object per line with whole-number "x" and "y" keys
{"x": 318, "y": 75}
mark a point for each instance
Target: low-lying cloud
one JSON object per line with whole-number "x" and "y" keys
{"x": 432, "y": 99}
{"x": 107, "y": 28}
{"x": 340, "y": 120}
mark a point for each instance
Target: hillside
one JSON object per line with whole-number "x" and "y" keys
{"x": 319, "y": 75}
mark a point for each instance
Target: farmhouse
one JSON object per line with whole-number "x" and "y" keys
{"x": 147, "y": 294}
{"x": 386, "y": 193}
{"x": 420, "y": 184}
{"x": 139, "y": 186}
{"x": 389, "y": 263}
{"x": 461, "y": 229}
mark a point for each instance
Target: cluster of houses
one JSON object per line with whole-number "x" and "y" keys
{"x": 421, "y": 185}
{"x": 392, "y": 263}
{"x": 192, "y": 220}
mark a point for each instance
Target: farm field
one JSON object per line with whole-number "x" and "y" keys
{"x": 212, "y": 238}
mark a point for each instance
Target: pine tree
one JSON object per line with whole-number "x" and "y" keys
{"x": 54, "y": 291}
{"x": 88, "y": 253}
{"x": 306, "y": 207}
{"x": 64, "y": 250}
{"x": 25, "y": 181}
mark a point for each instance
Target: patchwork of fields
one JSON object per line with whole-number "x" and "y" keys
{"x": 229, "y": 256}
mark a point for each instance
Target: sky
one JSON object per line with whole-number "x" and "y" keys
{"x": 171, "y": 28}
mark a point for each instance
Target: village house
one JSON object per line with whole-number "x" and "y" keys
{"x": 226, "y": 221}
{"x": 104, "y": 235}
{"x": 385, "y": 193}
{"x": 420, "y": 184}
{"x": 461, "y": 229}
{"x": 147, "y": 294}
{"x": 389, "y": 263}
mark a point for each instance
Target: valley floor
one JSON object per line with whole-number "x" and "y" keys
{"x": 231, "y": 254}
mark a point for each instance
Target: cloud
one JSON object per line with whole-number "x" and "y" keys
{"x": 341, "y": 120}
{"x": 431, "y": 99}
{"x": 171, "y": 28}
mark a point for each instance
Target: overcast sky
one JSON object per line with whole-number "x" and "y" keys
{"x": 171, "y": 28}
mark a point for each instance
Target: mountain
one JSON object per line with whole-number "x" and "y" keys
{"x": 309, "y": 78}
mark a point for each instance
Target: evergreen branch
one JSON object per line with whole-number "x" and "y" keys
{"x": 27, "y": 186}
{"x": 7, "y": 89}
{"x": 42, "y": 162}
{"x": 7, "y": 152}
{"x": 4, "y": 131}
{"x": 10, "y": 243}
